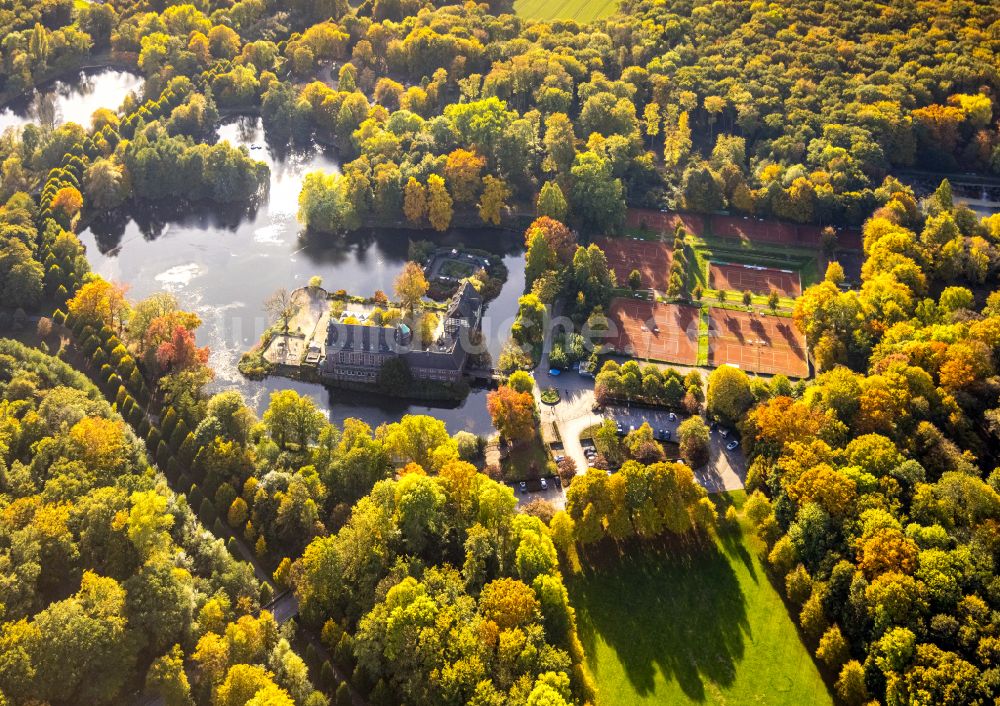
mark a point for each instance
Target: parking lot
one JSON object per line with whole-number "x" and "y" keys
{"x": 533, "y": 490}
{"x": 659, "y": 419}
{"x": 726, "y": 468}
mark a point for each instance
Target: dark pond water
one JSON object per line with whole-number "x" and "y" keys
{"x": 72, "y": 100}
{"x": 224, "y": 265}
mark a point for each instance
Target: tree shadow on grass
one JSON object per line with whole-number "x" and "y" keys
{"x": 674, "y": 607}
{"x": 731, "y": 537}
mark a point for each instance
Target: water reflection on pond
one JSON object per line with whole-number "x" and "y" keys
{"x": 72, "y": 100}
{"x": 224, "y": 265}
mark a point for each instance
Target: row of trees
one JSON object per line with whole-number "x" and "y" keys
{"x": 643, "y": 501}
{"x": 649, "y": 385}
{"x": 108, "y": 576}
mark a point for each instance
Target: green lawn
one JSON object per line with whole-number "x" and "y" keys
{"x": 526, "y": 459}
{"x": 692, "y": 625}
{"x": 579, "y": 10}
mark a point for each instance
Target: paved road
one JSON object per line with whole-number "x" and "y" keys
{"x": 573, "y": 414}
{"x": 284, "y": 607}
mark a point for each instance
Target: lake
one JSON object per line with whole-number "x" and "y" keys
{"x": 224, "y": 265}
{"x": 73, "y": 100}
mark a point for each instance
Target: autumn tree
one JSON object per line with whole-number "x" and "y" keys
{"x": 513, "y": 412}
{"x": 494, "y": 199}
{"x": 101, "y": 303}
{"x": 415, "y": 201}
{"x": 693, "y": 437}
{"x": 105, "y": 184}
{"x": 462, "y": 170}
{"x": 729, "y": 395}
{"x": 280, "y": 307}
{"x": 68, "y": 201}
{"x": 439, "y": 203}
{"x": 167, "y": 677}
{"x": 180, "y": 352}
{"x": 292, "y": 420}
{"x": 551, "y": 202}
{"x": 411, "y": 285}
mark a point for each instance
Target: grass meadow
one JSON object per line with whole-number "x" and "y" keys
{"x": 696, "y": 623}
{"x": 579, "y": 10}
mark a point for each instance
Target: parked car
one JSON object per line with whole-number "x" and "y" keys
{"x": 672, "y": 417}
{"x": 545, "y": 484}
{"x": 559, "y": 458}
{"x": 523, "y": 486}
{"x": 732, "y": 444}
{"x": 724, "y": 432}
{"x": 555, "y": 372}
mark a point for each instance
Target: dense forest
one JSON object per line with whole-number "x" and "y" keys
{"x": 148, "y": 519}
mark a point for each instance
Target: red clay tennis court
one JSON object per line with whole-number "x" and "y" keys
{"x": 664, "y": 221}
{"x": 756, "y": 343}
{"x": 741, "y": 228}
{"x": 759, "y": 280}
{"x": 651, "y": 258}
{"x": 665, "y": 332}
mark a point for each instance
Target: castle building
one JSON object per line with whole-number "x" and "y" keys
{"x": 356, "y": 353}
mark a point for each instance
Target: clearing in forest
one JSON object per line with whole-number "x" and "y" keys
{"x": 688, "y": 623}
{"x": 579, "y": 10}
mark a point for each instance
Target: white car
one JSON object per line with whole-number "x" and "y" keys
{"x": 732, "y": 444}
{"x": 545, "y": 484}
